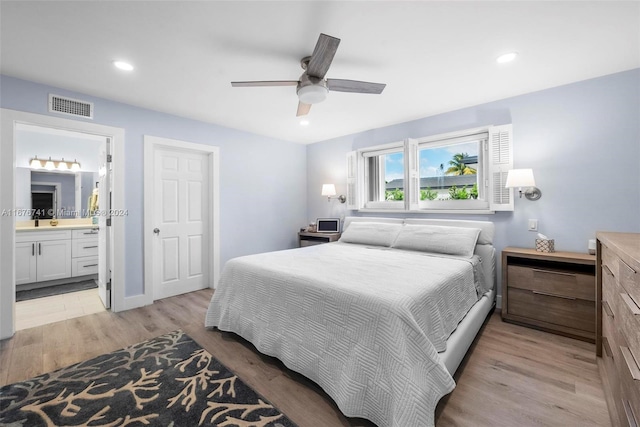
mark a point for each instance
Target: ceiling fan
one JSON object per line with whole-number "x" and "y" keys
{"x": 312, "y": 87}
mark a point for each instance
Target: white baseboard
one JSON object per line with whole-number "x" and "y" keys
{"x": 135, "y": 302}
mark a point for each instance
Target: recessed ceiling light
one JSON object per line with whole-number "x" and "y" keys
{"x": 123, "y": 65}
{"x": 507, "y": 57}
{"x": 304, "y": 122}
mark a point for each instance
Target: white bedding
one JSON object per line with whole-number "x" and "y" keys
{"x": 355, "y": 320}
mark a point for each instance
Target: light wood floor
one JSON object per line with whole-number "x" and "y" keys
{"x": 513, "y": 376}
{"x": 41, "y": 311}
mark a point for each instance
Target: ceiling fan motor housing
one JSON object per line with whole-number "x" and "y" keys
{"x": 311, "y": 91}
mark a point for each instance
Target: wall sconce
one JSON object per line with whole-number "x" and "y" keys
{"x": 329, "y": 190}
{"x": 61, "y": 165}
{"x": 523, "y": 178}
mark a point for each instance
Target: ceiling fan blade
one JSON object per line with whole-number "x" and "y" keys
{"x": 303, "y": 109}
{"x": 341, "y": 85}
{"x": 265, "y": 83}
{"x": 322, "y": 56}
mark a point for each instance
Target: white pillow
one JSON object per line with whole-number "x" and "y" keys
{"x": 371, "y": 233}
{"x": 438, "y": 239}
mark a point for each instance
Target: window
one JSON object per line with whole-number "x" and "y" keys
{"x": 384, "y": 177}
{"x": 458, "y": 172}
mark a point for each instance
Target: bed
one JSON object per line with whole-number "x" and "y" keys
{"x": 380, "y": 319}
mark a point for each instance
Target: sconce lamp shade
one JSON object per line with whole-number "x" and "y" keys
{"x": 518, "y": 178}
{"x": 523, "y": 178}
{"x": 328, "y": 190}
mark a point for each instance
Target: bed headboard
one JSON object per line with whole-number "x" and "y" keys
{"x": 484, "y": 245}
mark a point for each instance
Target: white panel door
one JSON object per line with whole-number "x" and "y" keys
{"x": 181, "y": 209}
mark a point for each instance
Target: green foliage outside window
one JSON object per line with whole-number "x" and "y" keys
{"x": 428, "y": 194}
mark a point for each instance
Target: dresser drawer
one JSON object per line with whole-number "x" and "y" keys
{"x": 563, "y": 311}
{"x": 84, "y": 247}
{"x": 84, "y": 266}
{"x": 610, "y": 260}
{"x": 553, "y": 282}
{"x": 610, "y": 294}
{"x": 628, "y": 322}
{"x": 630, "y": 280}
{"x": 629, "y": 375}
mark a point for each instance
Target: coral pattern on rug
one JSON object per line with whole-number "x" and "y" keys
{"x": 169, "y": 381}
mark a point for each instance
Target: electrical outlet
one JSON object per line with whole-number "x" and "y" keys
{"x": 533, "y": 225}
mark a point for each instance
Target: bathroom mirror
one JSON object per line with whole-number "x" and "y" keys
{"x": 59, "y": 195}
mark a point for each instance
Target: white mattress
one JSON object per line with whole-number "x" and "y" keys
{"x": 355, "y": 320}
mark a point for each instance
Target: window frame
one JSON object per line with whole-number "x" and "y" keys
{"x": 495, "y": 157}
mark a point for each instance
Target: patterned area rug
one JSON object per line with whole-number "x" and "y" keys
{"x": 167, "y": 381}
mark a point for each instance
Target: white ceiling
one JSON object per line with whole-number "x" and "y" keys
{"x": 433, "y": 56}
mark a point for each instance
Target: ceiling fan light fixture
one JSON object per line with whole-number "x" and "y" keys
{"x": 506, "y": 57}
{"x": 312, "y": 94}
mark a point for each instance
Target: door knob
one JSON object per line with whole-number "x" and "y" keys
{"x": 156, "y": 230}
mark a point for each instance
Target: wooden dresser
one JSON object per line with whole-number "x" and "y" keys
{"x": 618, "y": 324}
{"x": 555, "y": 291}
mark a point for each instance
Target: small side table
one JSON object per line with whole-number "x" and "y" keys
{"x": 308, "y": 238}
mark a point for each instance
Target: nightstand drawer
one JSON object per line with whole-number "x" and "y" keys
{"x": 563, "y": 311}
{"x": 553, "y": 282}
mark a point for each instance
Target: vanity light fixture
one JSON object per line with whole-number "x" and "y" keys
{"x": 61, "y": 165}
{"x": 523, "y": 178}
{"x": 49, "y": 165}
{"x": 329, "y": 190}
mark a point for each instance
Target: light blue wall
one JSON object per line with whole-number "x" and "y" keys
{"x": 582, "y": 141}
{"x": 262, "y": 180}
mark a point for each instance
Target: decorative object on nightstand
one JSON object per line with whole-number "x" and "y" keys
{"x": 329, "y": 190}
{"x": 552, "y": 291}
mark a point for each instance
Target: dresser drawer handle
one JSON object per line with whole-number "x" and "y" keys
{"x": 608, "y": 270}
{"x": 607, "y": 347}
{"x": 89, "y": 247}
{"x": 629, "y": 267}
{"x": 631, "y": 418}
{"x": 552, "y": 295}
{"x": 634, "y": 370}
{"x": 89, "y": 265}
{"x": 635, "y": 310}
{"x": 607, "y": 308}
{"x": 560, "y": 273}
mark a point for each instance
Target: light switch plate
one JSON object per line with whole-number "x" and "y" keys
{"x": 533, "y": 225}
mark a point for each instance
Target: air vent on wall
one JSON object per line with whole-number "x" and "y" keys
{"x": 72, "y": 107}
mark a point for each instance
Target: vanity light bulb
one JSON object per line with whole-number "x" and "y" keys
{"x": 75, "y": 166}
{"x": 49, "y": 165}
{"x": 63, "y": 165}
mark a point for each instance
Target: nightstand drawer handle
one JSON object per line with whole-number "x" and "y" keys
{"x": 635, "y": 310}
{"x": 607, "y": 309}
{"x": 560, "y": 273}
{"x": 607, "y": 347}
{"x": 552, "y": 295}
{"x": 608, "y": 271}
{"x": 634, "y": 370}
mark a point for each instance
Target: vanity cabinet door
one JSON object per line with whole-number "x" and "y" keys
{"x": 54, "y": 259}
{"x": 26, "y": 262}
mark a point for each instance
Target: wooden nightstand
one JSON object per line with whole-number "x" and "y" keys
{"x": 555, "y": 292}
{"x": 308, "y": 238}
